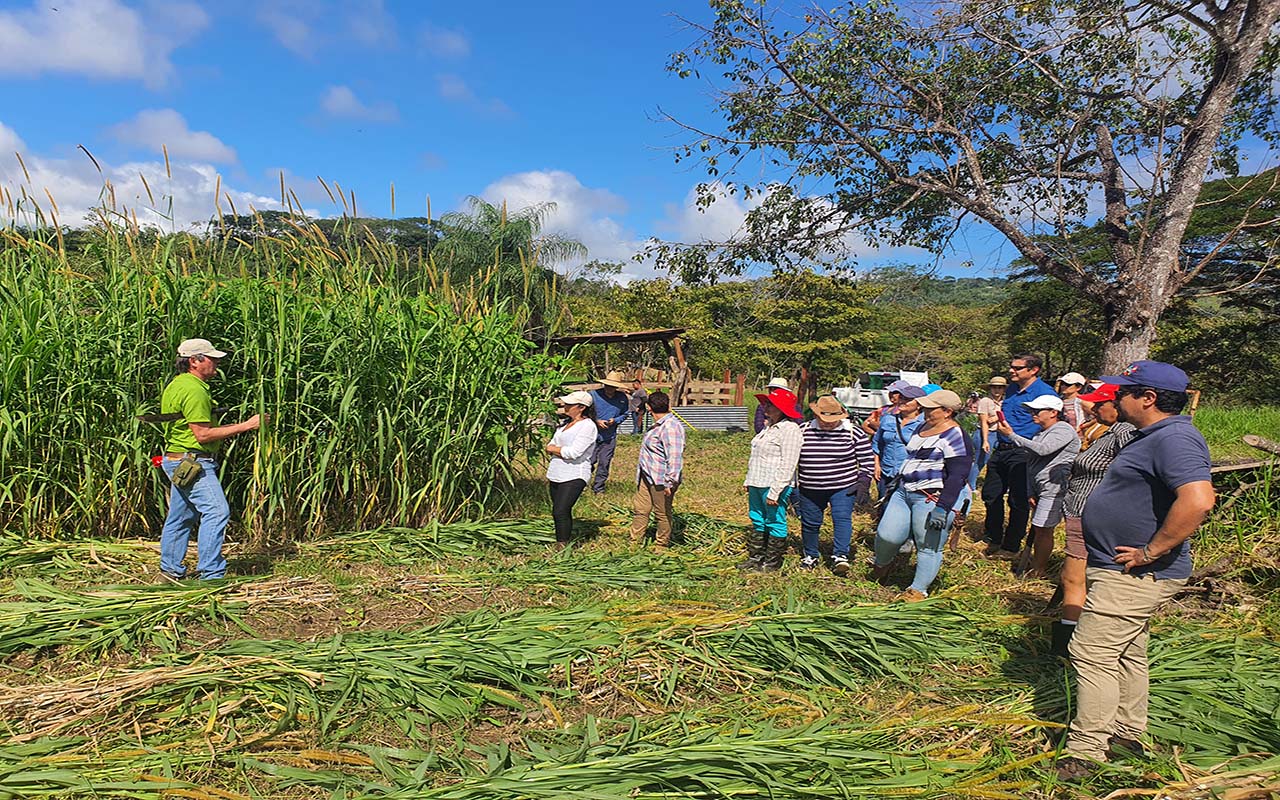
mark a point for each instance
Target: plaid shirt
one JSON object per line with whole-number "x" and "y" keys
{"x": 775, "y": 452}
{"x": 662, "y": 453}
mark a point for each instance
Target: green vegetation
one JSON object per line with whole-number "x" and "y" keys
{"x": 392, "y": 400}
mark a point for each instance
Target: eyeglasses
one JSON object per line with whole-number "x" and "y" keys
{"x": 1132, "y": 390}
{"x": 1018, "y": 367}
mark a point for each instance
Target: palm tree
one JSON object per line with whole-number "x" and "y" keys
{"x": 508, "y": 255}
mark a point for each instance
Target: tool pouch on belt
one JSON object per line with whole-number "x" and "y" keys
{"x": 187, "y": 472}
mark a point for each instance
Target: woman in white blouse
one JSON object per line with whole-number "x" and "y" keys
{"x": 570, "y": 468}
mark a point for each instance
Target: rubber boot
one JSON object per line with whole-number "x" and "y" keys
{"x": 775, "y": 549}
{"x": 754, "y": 540}
{"x": 1061, "y": 639}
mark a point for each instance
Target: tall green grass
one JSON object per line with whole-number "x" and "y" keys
{"x": 394, "y": 397}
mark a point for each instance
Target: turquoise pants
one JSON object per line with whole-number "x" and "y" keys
{"x": 766, "y": 518}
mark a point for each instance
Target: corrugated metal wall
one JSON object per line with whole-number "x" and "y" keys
{"x": 702, "y": 418}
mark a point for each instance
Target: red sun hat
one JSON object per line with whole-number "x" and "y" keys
{"x": 1103, "y": 393}
{"x": 784, "y": 399}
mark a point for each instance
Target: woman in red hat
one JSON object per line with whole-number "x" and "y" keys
{"x": 771, "y": 470}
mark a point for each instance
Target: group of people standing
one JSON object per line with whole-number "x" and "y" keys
{"x": 1117, "y": 462}
{"x": 581, "y": 452}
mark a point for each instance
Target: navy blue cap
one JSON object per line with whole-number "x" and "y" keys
{"x": 912, "y": 392}
{"x": 1156, "y": 374}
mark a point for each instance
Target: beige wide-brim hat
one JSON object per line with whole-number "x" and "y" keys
{"x": 828, "y": 409}
{"x": 617, "y": 380}
{"x": 997, "y": 380}
{"x": 778, "y": 383}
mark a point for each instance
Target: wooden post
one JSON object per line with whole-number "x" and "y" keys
{"x": 740, "y": 390}
{"x": 680, "y": 380}
{"x": 804, "y": 385}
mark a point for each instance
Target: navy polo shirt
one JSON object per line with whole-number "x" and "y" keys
{"x": 1016, "y": 414}
{"x": 1132, "y": 501}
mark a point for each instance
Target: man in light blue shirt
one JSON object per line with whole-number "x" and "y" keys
{"x": 1007, "y": 469}
{"x": 613, "y": 405}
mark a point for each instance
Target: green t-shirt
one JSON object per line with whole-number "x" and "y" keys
{"x": 189, "y": 396}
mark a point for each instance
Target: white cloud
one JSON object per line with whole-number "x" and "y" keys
{"x": 289, "y": 29}
{"x": 690, "y": 223}
{"x": 456, "y": 90}
{"x": 370, "y": 24}
{"x": 164, "y": 127}
{"x": 443, "y": 42}
{"x": 10, "y": 142}
{"x": 341, "y": 101}
{"x": 582, "y": 213}
{"x": 97, "y": 38}
{"x": 305, "y": 27}
{"x": 180, "y": 199}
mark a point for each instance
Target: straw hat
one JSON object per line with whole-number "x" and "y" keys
{"x": 828, "y": 409}
{"x": 997, "y": 380}
{"x": 616, "y": 379}
{"x": 778, "y": 383}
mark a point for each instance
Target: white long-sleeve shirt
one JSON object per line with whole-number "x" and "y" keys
{"x": 775, "y": 453}
{"x": 577, "y": 442}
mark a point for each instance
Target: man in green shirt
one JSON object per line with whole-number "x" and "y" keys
{"x": 196, "y": 431}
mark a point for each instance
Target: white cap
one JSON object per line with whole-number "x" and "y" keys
{"x": 1073, "y": 377}
{"x": 578, "y": 398}
{"x": 1045, "y": 401}
{"x": 779, "y": 383}
{"x": 199, "y": 347}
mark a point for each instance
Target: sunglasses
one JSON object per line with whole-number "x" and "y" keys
{"x": 1018, "y": 367}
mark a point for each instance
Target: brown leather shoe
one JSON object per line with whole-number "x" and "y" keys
{"x": 912, "y": 596}
{"x": 1074, "y": 769}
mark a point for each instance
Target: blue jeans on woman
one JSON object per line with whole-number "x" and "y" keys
{"x": 980, "y": 456}
{"x": 764, "y": 517}
{"x": 904, "y": 518}
{"x": 205, "y": 502}
{"x": 812, "y": 503}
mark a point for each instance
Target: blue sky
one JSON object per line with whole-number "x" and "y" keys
{"x": 516, "y": 101}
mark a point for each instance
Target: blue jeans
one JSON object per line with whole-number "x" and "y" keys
{"x": 904, "y": 518}
{"x": 764, "y": 517}
{"x": 637, "y": 417}
{"x": 203, "y": 500}
{"x": 980, "y": 456}
{"x": 812, "y": 503}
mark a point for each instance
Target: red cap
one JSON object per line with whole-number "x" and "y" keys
{"x": 1106, "y": 391}
{"x": 784, "y": 399}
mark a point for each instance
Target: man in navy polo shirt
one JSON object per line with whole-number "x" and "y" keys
{"x": 1136, "y": 526}
{"x": 1007, "y": 468}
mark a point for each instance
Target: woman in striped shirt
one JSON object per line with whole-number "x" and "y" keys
{"x": 836, "y": 467}
{"x": 929, "y": 485}
{"x": 1087, "y": 471}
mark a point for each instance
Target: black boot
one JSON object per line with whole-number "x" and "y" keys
{"x": 775, "y": 549}
{"x": 1062, "y": 638}
{"x": 755, "y": 550}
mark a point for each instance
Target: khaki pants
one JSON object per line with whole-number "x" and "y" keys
{"x": 1109, "y": 653}
{"x": 649, "y": 498}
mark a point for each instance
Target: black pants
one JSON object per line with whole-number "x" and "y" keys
{"x": 563, "y": 496}
{"x": 1006, "y": 476}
